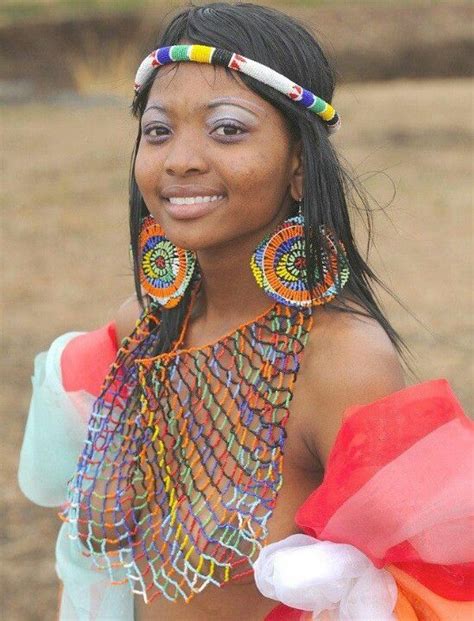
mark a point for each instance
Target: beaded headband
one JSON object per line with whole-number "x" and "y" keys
{"x": 224, "y": 58}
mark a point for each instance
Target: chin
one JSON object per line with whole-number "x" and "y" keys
{"x": 196, "y": 234}
{"x": 191, "y": 240}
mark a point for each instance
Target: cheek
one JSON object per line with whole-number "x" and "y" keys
{"x": 261, "y": 176}
{"x": 144, "y": 175}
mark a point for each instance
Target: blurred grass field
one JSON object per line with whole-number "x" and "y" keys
{"x": 14, "y": 10}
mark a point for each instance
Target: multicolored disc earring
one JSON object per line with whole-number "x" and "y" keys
{"x": 165, "y": 269}
{"x": 279, "y": 266}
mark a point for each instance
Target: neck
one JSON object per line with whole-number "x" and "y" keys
{"x": 229, "y": 292}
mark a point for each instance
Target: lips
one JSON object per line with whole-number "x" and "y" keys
{"x": 190, "y": 191}
{"x": 191, "y": 201}
{"x": 194, "y": 210}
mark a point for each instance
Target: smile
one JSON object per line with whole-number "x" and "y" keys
{"x": 193, "y": 200}
{"x": 192, "y": 207}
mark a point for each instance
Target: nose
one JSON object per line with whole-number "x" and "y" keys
{"x": 185, "y": 155}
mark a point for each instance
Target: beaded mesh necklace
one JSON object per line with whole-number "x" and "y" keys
{"x": 183, "y": 461}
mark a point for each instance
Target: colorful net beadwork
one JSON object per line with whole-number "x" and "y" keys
{"x": 183, "y": 461}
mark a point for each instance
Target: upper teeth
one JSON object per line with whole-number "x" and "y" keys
{"x": 191, "y": 200}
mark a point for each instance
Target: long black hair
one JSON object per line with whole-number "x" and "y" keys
{"x": 282, "y": 43}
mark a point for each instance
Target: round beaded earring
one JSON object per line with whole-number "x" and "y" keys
{"x": 165, "y": 269}
{"x": 279, "y": 266}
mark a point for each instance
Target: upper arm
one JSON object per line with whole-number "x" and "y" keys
{"x": 351, "y": 362}
{"x": 85, "y": 361}
{"x": 126, "y": 317}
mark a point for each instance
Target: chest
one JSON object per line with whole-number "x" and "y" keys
{"x": 199, "y": 462}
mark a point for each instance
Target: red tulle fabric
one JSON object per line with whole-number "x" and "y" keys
{"x": 284, "y": 613}
{"x": 399, "y": 487}
{"x": 86, "y": 359}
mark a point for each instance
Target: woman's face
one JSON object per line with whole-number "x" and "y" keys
{"x": 205, "y": 134}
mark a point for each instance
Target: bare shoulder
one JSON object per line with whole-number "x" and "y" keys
{"x": 126, "y": 317}
{"x": 349, "y": 360}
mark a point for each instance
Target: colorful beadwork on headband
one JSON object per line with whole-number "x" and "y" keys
{"x": 183, "y": 461}
{"x": 224, "y": 58}
{"x": 279, "y": 267}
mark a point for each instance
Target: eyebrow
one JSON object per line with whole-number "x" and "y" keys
{"x": 215, "y": 103}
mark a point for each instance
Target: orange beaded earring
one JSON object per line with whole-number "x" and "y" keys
{"x": 279, "y": 266}
{"x": 165, "y": 269}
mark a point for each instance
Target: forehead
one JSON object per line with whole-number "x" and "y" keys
{"x": 195, "y": 83}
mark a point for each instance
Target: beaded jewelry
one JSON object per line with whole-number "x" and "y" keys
{"x": 183, "y": 461}
{"x": 165, "y": 269}
{"x": 279, "y": 266}
{"x": 224, "y": 58}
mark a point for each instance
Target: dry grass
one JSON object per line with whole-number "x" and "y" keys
{"x": 99, "y": 70}
{"x": 100, "y": 54}
{"x": 65, "y": 256}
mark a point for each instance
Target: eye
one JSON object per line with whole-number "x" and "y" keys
{"x": 156, "y": 131}
{"x": 229, "y": 130}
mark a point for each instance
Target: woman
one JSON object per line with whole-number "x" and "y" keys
{"x": 240, "y": 227}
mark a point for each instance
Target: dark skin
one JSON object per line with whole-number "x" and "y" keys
{"x": 347, "y": 361}
{"x": 240, "y": 149}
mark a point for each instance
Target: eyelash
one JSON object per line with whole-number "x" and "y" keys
{"x": 148, "y": 130}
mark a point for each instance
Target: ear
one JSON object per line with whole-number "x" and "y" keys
{"x": 297, "y": 173}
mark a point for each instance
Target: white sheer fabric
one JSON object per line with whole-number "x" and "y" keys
{"x": 333, "y": 579}
{"x": 55, "y": 432}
